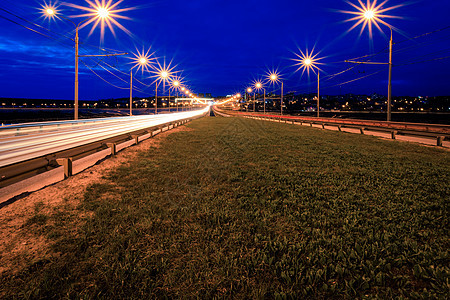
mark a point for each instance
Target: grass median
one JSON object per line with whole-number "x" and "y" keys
{"x": 243, "y": 208}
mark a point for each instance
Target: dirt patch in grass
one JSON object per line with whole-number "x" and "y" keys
{"x": 26, "y": 223}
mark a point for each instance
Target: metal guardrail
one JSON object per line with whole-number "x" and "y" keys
{"x": 30, "y": 149}
{"x": 437, "y": 132}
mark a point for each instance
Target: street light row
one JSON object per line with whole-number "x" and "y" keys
{"x": 366, "y": 14}
{"x": 104, "y": 14}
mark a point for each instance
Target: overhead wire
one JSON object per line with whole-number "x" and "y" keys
{"x": 122, "y": 88}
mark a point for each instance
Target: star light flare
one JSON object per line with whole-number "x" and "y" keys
{"x": 142, "y": 60}
{"x": 49, "y": 11}
{"x": 273, "y": 77}
{"x": 103, "y": 13}
{"x": 176, "y": 83}
{"x": 163, "y": 73}
{"x": 370, "y": 14}
{"x": 307, "y": 61}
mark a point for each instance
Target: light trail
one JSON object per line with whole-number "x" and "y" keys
{"x": 27, "y": 141}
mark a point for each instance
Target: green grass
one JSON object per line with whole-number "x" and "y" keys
{"x": 250, "y": 209}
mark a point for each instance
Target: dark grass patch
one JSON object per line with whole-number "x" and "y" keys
{"x": 247, "y": 209}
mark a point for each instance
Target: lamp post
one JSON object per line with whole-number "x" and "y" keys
{"x": 368, "y": 15}
{"x": 176, "y": 84}
{"x": 309, "y": 62}
{"x": 156, "y": 97}
{"x": 103, "y": 14}
{"x": 187, "y": 93}
{"x": 249, "y": 90}
{"x": 142, "y": 61}
{"x": 275, "y": 78}
{"x": 182, "y": 95}
{"x": 259, "y": 86}
{"x": 163, "y": 76}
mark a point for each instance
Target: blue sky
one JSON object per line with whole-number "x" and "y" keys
{"x": 220, "y": 47}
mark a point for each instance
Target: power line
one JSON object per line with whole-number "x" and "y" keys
{"x": 423, "y": 61}
{"x": 122, "y": 88}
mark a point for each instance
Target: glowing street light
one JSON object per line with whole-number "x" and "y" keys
{"x": 368, "y": 15}
{"x": 101, "y": 13}
{"x": 176, "y": 83}
{"x": 274, "y": 77}
{"x": 258, "y": 87}
{"x": 308, "y": 61}
{"x": 163, "y": 73}
{"x": 249, "y": 90}
{"x": 141, "y": 61}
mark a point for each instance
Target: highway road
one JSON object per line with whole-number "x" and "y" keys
{"x": 22, "y": 142}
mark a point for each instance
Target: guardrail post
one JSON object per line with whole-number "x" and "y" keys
{"x": 323, "y": 126}
{"x": 136, "y": 139}
{"x": 440, "y": 140}
{"x": 67, "y": 164}
{"x": 394, "y": 134}
{"x": 113, "y": 148}
{"x": 310, "y": 124}
{"x": 361, "y": 130}
{"x": 339, "y": 127}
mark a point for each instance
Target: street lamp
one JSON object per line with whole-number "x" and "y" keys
{"x": 274, "y": 78}
{"x": 182, "y": 95}
{"x": 103, "y": 14}
{"x": 141, "y": 61}
{"x": 249, "y": 90}
{"x": 258, "y": 87}
{"x": 176, "y": 85}
{"x": 369, "y": 15}
{"x": 308, "y": 61}
{"x": 163, "y": 73}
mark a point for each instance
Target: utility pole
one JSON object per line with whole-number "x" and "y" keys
{"x": 76, "y": 68}
{"x": 390, "y": 80}
{"x": 389, "y": 100}
{"x": 318, "y": 93}
{"x": 281, "y": 98}
{"x": 131, "y": 92}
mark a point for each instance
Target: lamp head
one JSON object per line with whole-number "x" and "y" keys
{"x": 102, "y": 12}
{"x": 143, "y": 60}
{"x": 369, "y": 14}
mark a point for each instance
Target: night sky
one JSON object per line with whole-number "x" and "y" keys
{"x": 221, "y": 46}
